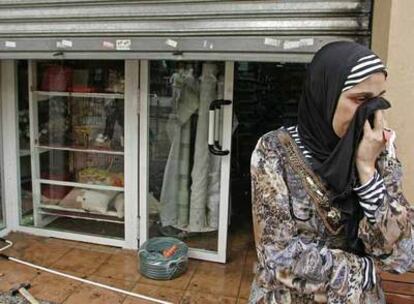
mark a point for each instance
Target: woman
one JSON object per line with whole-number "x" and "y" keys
{"x": 328, "y": 209}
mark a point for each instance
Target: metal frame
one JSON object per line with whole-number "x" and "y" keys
{"x": 5, "y": 231}
{"x": 3, "y": 222}
{"x": 171, "y": 45}
{"x": 34, "y": 151}
{"x": 220, "y": 255}
{"x": 72, "y": 236}
{"x": 257, "y": 57}
{"x": 131, "y": 156}
{"x": 11, "y": 156}
{"x": 12, "y": 162}
{"x": 143, "y": 151}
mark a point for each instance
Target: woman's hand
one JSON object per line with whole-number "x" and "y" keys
{"x": 370, "y": 147}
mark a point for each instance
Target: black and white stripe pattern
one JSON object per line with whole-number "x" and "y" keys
{"x": 293, "y": 131}
{"x": 370, "y": 277}
{"x": 365, "y": 66}
{"x": 371, "y": 195}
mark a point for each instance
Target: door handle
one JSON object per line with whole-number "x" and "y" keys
{"x": 213, "y": 127}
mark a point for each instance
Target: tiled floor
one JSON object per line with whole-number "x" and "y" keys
{"x": 203, "y": 283}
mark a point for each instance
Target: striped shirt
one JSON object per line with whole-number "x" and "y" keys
{"x": 364, "y": 68}
{"x": 293, "y": 131}
{"x": 371, "y": 194}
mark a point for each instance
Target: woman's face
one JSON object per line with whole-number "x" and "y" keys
{"x": 350, "y": 100}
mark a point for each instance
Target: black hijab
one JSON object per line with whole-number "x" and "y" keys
{"x": 333, "y": 157}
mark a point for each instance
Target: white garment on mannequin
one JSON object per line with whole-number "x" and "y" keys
{"x": 177, "y": 82}
{"x": 194, "y": 209}
{"x": 202, "y": 215}
{"x": 175, "y": 188}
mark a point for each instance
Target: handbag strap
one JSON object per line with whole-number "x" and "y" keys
{"x": 330, "y": 216}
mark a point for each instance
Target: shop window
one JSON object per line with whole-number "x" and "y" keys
{"x": 72, "y": 171}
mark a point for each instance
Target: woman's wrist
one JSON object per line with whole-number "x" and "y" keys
{"x": 365, "y": 172}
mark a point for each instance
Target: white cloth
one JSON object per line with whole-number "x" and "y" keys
{"x": 174, "y": 198}
{"x": 203, "y": 211}
{"x": 195, "y": 207}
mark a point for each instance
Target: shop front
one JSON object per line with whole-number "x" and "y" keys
{"x": 123, "y": 121}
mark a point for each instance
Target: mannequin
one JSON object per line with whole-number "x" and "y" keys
{"x": 177, "y": 82}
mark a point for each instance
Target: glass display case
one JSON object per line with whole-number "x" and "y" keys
{"x": 72, "y": 134}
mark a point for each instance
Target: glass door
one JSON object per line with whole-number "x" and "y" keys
{"x": 186, "y": 127}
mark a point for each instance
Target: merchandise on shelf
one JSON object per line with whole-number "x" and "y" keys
{"x": 79, "y": 139}
{"x": 53, "y": 192}
{"x": 98, "y": 176}
{"x": 96, "y": 200}
{"x": 115, "y": 83}
{"x": 118, "y": 204}
{"x": 57, "y": 78}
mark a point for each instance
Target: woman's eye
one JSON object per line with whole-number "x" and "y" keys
{"x": 360, "y": 99}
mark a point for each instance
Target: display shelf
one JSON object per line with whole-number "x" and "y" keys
{"x": 24, "y": 180}
{"x": 71, "y": 105}
{"x": 26, "y": 152}
{"x": 77, "y": 94}
{"x": 80, "y": 185}
{"x": 73, "y": 149}
{"x": 56, "y": 210}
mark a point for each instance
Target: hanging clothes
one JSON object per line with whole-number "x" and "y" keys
{"x": 190, "y": 196}
{"x": 204, "y": 203}
{"x": 174, "y": 200}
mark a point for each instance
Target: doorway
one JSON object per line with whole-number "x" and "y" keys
{"x": 266, "y": 97}
{"x": 184, "y": 185}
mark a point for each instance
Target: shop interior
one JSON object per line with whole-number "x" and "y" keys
{"x": 77, "y": 118}
{"x": 71, "y": 135}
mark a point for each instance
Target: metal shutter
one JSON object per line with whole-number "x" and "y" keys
{"x": 181, "y": 26}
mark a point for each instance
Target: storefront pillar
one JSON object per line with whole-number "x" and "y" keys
{"x": 392, "y": 40}
{"x": 8, "y": 98}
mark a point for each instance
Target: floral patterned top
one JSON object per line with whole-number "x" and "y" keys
{"x": 299, "y": 259}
